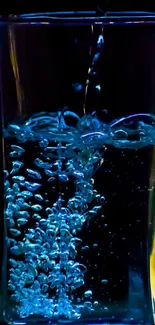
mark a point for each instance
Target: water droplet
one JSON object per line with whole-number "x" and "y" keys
{"x": 33, "y": 173}
{"x": 88, "y": 293}
{"x": 31, "y": 186}
{"x": 14, "y": 232}
{"x": 18, "y": 179}
{"x": 98, "y": 87}
{"x": 38, "y": 197}
{"x": 36, "y": 207}
{"x": 100, "y": 41}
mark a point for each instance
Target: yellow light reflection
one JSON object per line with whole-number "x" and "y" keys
{"x": 152, "y": 231}
{"x": 14, "y": 63}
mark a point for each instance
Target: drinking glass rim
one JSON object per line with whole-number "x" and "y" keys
{"x": 81, "y": 18}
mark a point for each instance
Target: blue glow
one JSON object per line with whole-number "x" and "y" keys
{"x": 45, "y": 279}
{"x": 85, "y": 18}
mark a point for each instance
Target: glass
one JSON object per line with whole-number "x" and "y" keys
{"x": 77, "y": 97}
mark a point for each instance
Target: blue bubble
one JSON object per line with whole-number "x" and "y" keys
{"x": 33, "y": 173}
{"x": 32, "y": 186}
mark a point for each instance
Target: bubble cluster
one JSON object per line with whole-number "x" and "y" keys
{"x": 43, "y": 238}
{"x": 43, "y": 271}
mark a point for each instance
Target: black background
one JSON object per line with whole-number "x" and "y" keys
{"x": 26, "y": 6}
{"x": 125, "y": 203}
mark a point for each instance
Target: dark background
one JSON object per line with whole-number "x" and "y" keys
{"x": 127, "y": 199}
{"x": 20, "y": 7}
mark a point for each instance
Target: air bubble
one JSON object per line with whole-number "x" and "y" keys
{"x": 85, "y": 248}
{"x": 43, "y": 222}
{"x": 38, "y": 197}
{"x": 13, "y": 262}
{"x": 36, "y": 216}
{"x": 102, "y": 199}
{"x": 26, "y": 194}
{"x": 77, "y": 284}
{"x": 88, "y": 293}
{"x": 22, "y": 214}
{"x": 49, "y": 172}
{"x": 14, "y": 232}
{"x": 15, "y": 250}
{"x": 88, "y": 304}
{"x": 96, "y": 303}
{"x": 18, "y": 179}
{"x": 40, "y": 163}
{"x": 13, "y": 127}
{"x": 6, "y": 174}
{"x": 104, "y": 281}
{"x": 10, "y": 222}
{"x": 16, "y": 167}
{"x": 51, "y": 179}
{"x": 15, "y": 188}
{"x": 21, "y": 222}
{"x": 43, "y": 143}
{"x": 17, "y": 148}
{"x": 32, "y": 186}
{"x": 11, "y": 287}
{"x": 22, "y": 204}
{"x": 33, "y": 173}
{"x": 63, "y": 177}
{"x": 6, "y": 185}
{"x": 15, "y": 154}
{"x": 36, "y": 207}
{"x": 44, "y": 288}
